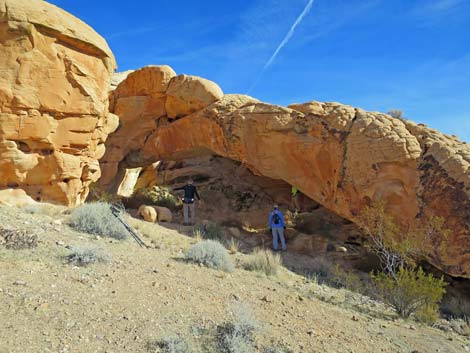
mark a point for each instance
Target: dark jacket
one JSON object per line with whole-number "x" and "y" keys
{"x": 189, "y": 192}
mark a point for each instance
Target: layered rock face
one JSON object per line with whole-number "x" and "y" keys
{"x": 341, "y": 157}
{"x": 54, "y": 120}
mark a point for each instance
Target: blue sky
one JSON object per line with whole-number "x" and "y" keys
{"x": 412, "y": 55}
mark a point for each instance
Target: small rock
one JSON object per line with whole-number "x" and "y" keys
{"x": 412, "y": 328}
{"x": 57, "y": 221}
{"x": 42, "y": 306}
{"x": 301, "y": 299}
{"x": 19, "y": 283}
{"x": 60, "y": 243}
{"x": 341, "y": 249}
{"x": 154, "y": 284}
{"x": 267, "y": 299}
{"x": 467, "y": 348}
{"x": 354, "y": 318}
{"x": 310, "y": 332}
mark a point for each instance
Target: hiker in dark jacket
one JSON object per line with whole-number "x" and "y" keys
{"x": 277, "y": 226}
{"x": 189, "y": 209}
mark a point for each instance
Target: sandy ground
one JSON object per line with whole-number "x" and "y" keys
{"x": 47, "y": 305}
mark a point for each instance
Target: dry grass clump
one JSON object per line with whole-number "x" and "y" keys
{"x": 211, "y": 254}
{"x": 233, "y": 246}
{"x": 264, "y": 261}
{"x": 97, "y": 218}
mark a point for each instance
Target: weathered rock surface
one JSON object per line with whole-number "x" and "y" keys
{"x": 163, "y": 214}
{"x": 340, "y": 156}
{"x": 147, "y": 98}
{"x": 15, "y": 197}
{"x": 53, "y": 101}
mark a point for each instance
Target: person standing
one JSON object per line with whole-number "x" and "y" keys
{"x": 189, "y": 208}
{"x": 277, "y": 226}
{"x": 295, "y": 198}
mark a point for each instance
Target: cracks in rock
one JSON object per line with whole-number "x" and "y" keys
{"x": 343, "y": 141}
{"x": 71, "y": 69}
{"x": 74, "y": 44}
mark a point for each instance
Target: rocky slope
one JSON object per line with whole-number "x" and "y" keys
{"x": 53, "y": 101}
{"x": 143, "y": 295}
{"x": 342, "y": 157}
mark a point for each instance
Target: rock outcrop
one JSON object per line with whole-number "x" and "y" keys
{"x": 54, "y": 120}
{"x": 148, "y": 98}
{"x": 340, "y": 156}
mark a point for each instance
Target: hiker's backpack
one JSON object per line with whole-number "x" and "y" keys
{"x": 276, "y": 218}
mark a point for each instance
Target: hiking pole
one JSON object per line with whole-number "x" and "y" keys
{"x": 117, "y": 213}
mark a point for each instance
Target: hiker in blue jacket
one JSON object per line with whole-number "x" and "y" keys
{"x": 277, "y": 226}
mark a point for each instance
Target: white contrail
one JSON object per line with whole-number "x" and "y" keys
{"x": 284, "y": 42}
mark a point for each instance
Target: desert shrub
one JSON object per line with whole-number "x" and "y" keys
{"x": 399, "y": 246}
{"x": 346, "y": 279}
{"x": 427, "y": 314}
{"x": 87, "y": 255}
{"x": 237, "y": 335}
{"x": 264, "y": 261}
{"x": 159, "y": 196}
{"x": 211, "y": 254}
{"x": 411, "y": 292}
{"x": 170, "y": 344}
{"x": 97, "y": 218}
{"x": 211, "y": 231}
{"x": 395, "y": 113}
{"x": 16, "y": 239}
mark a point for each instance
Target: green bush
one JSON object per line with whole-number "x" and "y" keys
{"x": 97, "y": 218}
{"x": 237, "y": 335}
{"x": 159, "y": 196}
{"x": 86, "y": 255}
{"x": 264, "y": 261}
{"x": 412, "y": 292}
{"x": 211, "y": 231}
{"x": 211, "y": 254}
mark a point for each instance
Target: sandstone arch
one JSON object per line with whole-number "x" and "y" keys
{"x": 340, "y": 156}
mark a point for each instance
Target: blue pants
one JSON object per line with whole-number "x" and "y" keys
{"x": 279, "y": 231}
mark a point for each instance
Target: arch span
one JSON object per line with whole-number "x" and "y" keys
{"x": 341, "y": 157}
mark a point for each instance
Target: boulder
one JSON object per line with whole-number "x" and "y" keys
{"x": 16, "y": 198}
{"x": 148, "y": 213}
{"x": 54, "y": 116}
{"x": 164, "y": 214}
